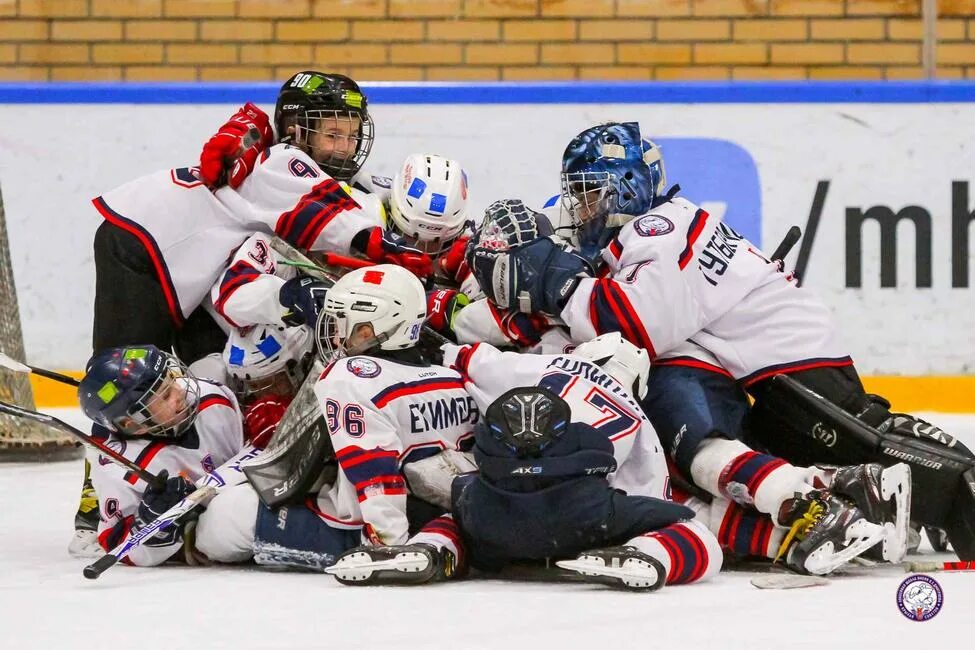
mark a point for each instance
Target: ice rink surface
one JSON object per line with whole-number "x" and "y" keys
{"x": 46, "y": 603}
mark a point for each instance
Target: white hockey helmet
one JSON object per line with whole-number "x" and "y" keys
{"x": 428, "y": 204}
{"x": 623, "y": 361}
{"x": 267, "y": 359}
{"x": 385, "y": 296}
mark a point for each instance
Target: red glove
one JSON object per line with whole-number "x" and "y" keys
{"x": 442, "y": 308}
{"x": 385, "y": 248}
{"x": 229, "y": 156}
{"x": 261, "y": 418}
{"x": 452, "y": 263}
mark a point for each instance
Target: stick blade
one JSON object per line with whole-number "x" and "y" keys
{"x": 13, "y": 364}
{"x": 788, "y": 581}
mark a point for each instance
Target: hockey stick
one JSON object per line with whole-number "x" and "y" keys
{"x": 228, "y": 474}
{"x": 16, "y": 366}
{"x": 51, "y": 421}
{"x": 790, "y": 239}
{"x": 297, "y": 258}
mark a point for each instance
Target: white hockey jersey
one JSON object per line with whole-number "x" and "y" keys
{"x": 593, "y": 396}
{"x": 215, "y": 437}
{"x": 381, "y": 415}
{"x": 678, "y": 273}
{"x": 247, "y": 292}
{"x": 190, "y": 232}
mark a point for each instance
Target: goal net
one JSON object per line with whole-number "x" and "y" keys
{"x": 20, "y": 439}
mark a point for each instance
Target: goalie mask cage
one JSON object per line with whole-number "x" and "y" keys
{"x": 21, "y": 439}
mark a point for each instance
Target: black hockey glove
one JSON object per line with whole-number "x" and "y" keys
{"x": 536, "y": 277}
{"x": 303, "y": 297}
{"x": 157, "y": 500}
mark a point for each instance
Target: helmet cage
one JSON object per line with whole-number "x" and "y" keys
{"x": 333, "y": 327}
{"x": 139, "y": 419}
{"x": 339, "y": 167}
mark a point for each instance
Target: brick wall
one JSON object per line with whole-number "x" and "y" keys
{"x": 68, "y": 40}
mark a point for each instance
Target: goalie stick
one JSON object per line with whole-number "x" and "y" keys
{"x": 60, "y": 425}
{"x": 228, "y": 474}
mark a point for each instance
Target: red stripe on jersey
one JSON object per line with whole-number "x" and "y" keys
{"x": 214, "y": 400}
{"x": 623, "y": 310}
{"x": 234, "y": 278}
{"x": 616, "y": 249}
{"x": 691, "y": 362}
{"x": 693, "y": 232}
{"x": 152, "y": 249}
{"x": 352, "y": 456}
{"x": 444, "y": 383}
{"x": 312, "y": 504}
{"x": 144, "y": 458}
{"x": 463, "y": 360}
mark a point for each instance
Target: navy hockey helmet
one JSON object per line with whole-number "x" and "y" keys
{"x": 330, "y": 121}
{"x": 139, "y": 391}
{"x": 610, "y": 174}
{"x": 527, "y": 420}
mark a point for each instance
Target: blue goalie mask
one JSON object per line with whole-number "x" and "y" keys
{"x": 139, "y": 391}
{"x": 610, "y": 174}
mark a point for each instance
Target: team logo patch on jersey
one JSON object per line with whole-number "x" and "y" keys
{"x": 114, "y": 445}
{"x": 365, "y": 368}
{"x": 207, "y": 464}
{"x": 653, "y": 225}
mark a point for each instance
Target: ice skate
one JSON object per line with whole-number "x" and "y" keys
{"x": 884, "y": 497}
{"x": 411, "y": 564}
{"x": 84, "y": 543}
{"x": 824, "y": 533}
{"x": 619, "y": 566}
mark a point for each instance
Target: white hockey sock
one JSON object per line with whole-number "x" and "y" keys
{"x": 731, "y": 470}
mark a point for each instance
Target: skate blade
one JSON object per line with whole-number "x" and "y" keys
{"x": 359, "y": 567}
{"x": 631, "y": 573}
{"x": 861, "y": 536}
{"x": 895, "y": 482}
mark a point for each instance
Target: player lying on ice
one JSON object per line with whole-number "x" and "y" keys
{"x": 149, "y": 408}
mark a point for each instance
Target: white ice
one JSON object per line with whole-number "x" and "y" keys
{"x": 46, "y": 603}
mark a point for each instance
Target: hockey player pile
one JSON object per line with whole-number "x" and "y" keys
{"x": 618, "y": 382}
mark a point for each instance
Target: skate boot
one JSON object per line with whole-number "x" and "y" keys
{"x": 884, "y": 497}
{"x": 619, "y": 566}
{"x": 412, "y": 564}
{"x": 84, "y": 543}
{"x": 824, "y": 533}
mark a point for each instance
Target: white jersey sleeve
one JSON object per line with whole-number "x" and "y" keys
{"x": 247, "y": 293}
{"x": 310, "y": 210}
{"x": 215, "y": 437}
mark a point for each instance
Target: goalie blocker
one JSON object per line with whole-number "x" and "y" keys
{"x": 942, "y": 469}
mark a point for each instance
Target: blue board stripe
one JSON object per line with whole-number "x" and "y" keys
{"x": 703, "y": 92}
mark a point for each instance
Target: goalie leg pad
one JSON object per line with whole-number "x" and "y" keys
{"x": 296, "y": 537}
{"x": 798, "y": 424}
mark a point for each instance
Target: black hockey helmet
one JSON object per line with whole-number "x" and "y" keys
{"x": 139, "y": 391}
{"x": 332, "y": 106}
{"x": 527, "y": 420}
